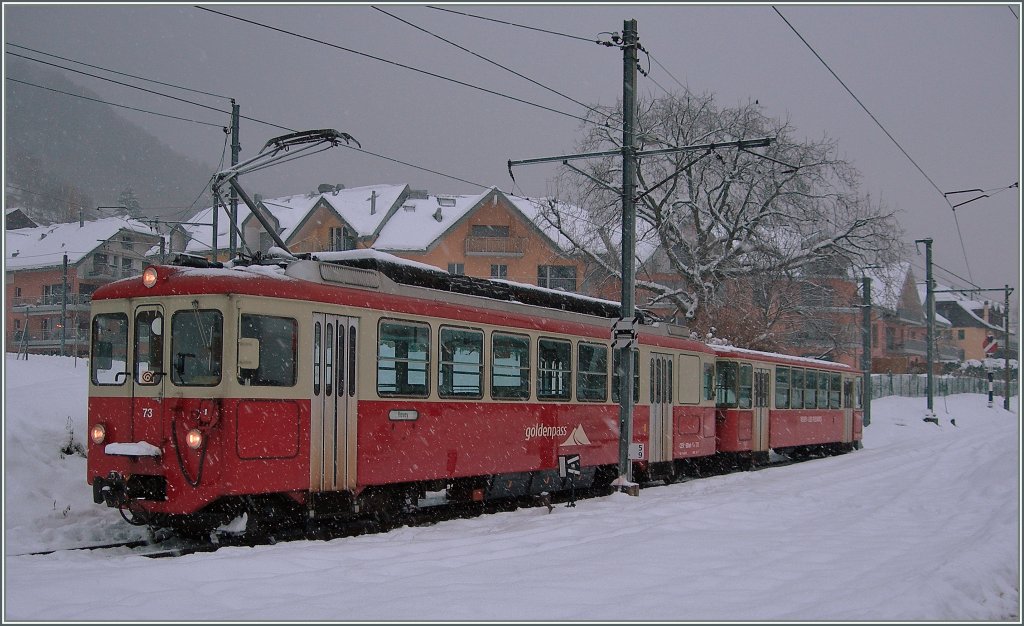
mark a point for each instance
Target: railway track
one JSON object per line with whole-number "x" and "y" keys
{"x": 172, "y": 546}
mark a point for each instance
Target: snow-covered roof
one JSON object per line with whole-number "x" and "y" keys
{"x": 45, "y": 246}
{"x": 419, "y": 222}
{"x": 353, "y": 205}
{"x": 887, "y": 284}
{"x": 967, "y": 305}
{"x": 578, "y": 223}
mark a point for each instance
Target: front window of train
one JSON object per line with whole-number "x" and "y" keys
{"x": 196, "y": 347}
{"x": 109, "y": 364}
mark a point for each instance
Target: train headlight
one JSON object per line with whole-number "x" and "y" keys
{"x": 149, "y": 276}
{"x": 98, "y": 433}
{"x": 194, "y": 438}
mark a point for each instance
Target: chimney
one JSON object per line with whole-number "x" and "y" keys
{"x": 437, "y": 214}
{"x": 373, "y": 202}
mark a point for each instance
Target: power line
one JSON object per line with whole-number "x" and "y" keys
{"x": 542, "y": 30}
{"x": 386, "y": 158}
{"x": 116, "y": 82}
{"x": 495, "y": 63}
{"x": 402, "y": 65}
{"x": 205, "y": 93}
{"x": 113, "y": 104}
{"x": 879, "y": 124}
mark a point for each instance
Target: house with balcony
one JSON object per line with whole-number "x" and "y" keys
{"x": 51, "y": 273}
{"x": 974, "y": 323}
{"x": 487, "y": 235}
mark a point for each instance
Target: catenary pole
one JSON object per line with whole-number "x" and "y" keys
{"x": 930, "y": 334}
{"x": 629, "y": 61}
{"x": 236, "y": 147}
{"x": 1006, "y": 346}
{"x": 865, "y": 361}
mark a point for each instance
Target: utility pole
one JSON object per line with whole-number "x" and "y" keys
{"x": 865, "y": 361}
{"x": 629, "y": 60}
{"x": 624, "y": 331}
{"x": 64, "y": 308}
{"x": 1007, "y": 290}
{"x": 235, "y": 149}
{"x": 1006, "y": 346}
{"x": 930, "y": 336}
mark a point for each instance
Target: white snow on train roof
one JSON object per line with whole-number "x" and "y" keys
{"x": 777, "y": 355}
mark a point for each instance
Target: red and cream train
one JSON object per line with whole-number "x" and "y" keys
{"x": 343, "y": 385}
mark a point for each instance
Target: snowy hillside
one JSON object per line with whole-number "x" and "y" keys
{"x": 922, "y": 524}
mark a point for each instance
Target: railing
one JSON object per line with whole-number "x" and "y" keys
{"x": 495, "y": 245}
{"x": 916, "y": 385}
{"x": 51, "y": 300}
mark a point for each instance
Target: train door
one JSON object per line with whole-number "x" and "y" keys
{"x": 333, "y": 403}
{"x": 147, "y": 376}
{"x": 661, "y": 395}
{"x": 762, "y": 381}
{"x": 848, "y": 403}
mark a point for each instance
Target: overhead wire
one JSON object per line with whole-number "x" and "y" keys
{"x": 402, "y": 65}
{"x": 264, "y": 122}
{"x": 884, "y": 130}
{"x": 150, "y": 80}
{"x": 150, "y": 91}
{"x": 491, "y": 19}
{"x": 492, "y": 62}
{"x": 113, "y": 104}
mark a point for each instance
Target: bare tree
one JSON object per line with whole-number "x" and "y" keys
{"x": 719, "y": 215}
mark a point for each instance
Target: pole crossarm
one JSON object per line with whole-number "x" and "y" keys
{"x": 742, "y": 144}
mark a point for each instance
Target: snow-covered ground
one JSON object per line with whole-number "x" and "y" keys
{"x": 922, "y": 524}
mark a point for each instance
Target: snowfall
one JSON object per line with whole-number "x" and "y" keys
{"x": 922, "y": 524}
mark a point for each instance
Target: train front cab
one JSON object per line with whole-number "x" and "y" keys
{"x": 188, "y": 408}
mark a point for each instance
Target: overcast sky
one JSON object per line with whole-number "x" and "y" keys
{"x": 944, "y": 81}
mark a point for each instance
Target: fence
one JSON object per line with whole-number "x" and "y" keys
{"x": 913, "y": 385}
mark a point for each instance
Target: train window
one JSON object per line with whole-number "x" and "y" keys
{"x": 554, "y": 369}
{"x": 746, "y": 385}
{"x": 781, "y": 387}
{"x": 655, "y": 378}
{"x": 858, "y": 393}
{"x": 796, "y": 400}
{"x": 109, "y": 363}
{"x": 810, "y": 389}
{"x": 592, "y": 376}
{"x": 329, "y": 360}
{"x": 351, "y": 361}
{"x": 403, "y": 359}
{"x": 823, "y": 390}
{"x": 689, "y": 379}
{"x": 615, "y": 376}
{"x": 709, "y": 381}
{"x": 669, "y": 380}
{"x": 149, "y": 347}
{"x": 277, "y": 350}
{"x": 835, "y": 391}
{"x": 316, "y": 358}
{"x": 510, "y": 367}
{"x": 461, "y": 363}
{"x": 847, "y": 393}
{"x": 196, "y": 347}
{"x": 725, "y": 385}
